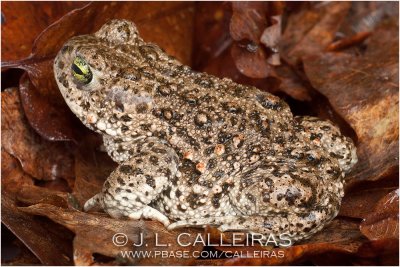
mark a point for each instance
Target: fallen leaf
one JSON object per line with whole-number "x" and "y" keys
{"x": 251, "y": 60}
{"x": 252, "y": 25}
{"x": 94, "y": 233}
{"x": 92, "y": 168}
{"x": 291, "y": 83}
{"x": 40, "y": 213}
{"x": 39, "y": 158}
{"x": 224, "y": 66}
{"x": 249, "y": 19}
{"x": 14, "y": 252}
{"x": 357, "y": 204}
{"x": 383, "y": 223}
{"x": 30, "y": 195}
{"x": 38, "y": 235}
{"x": 213, "y": 42}
{"x": 340, "y": 236}
{"x": 212, "y": 36}
{"x": 271, "y": 36}
{"x": 364, "y": 17}
{"x": 310, "y": 31}
{"x": 52, "y": 120}
{"x": 17, "y": 18}
{"x": 13, "y": 177}
{"x": 378, "y": 252}
{"x": 349, "y": 41}
{"x": 370, "y": 107}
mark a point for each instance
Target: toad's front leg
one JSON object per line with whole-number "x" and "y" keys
{"x": 131, "y": 187}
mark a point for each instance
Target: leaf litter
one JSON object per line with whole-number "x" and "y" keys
{"x": 346, "y": 53}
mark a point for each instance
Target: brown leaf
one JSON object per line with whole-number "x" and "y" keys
{"x": 272, "y": 35}
{"x": 52, "y": 120}
{"x": 94, "y": 234}
{"x": 224, "y": 66}
{"x": 357, "y": 204}
{"x": 349, "y": 41}
{"x": 13, "y": 177}
{"x": 22, "y": 22}
{"x": 341, "y": 242}
{"x": 383, "y": 223}
{"x": 42, "y": 159}
{"x": 38, "y": 235}
{"x": 364, "y": 16}
{"x": 379, "y": 252}
{"x": 91, "y": 169}
{"x": 249, "y": 19}
{"x": 212, "y": 36}
{"x": 364, "y": 91}
{"x": 14, "y": 252}
{"x": 167, "y": 24}
{"x": 251, "y": 60}
{"x": 310, "y": 31}
{"x": 213, "y": 45}
{"x": 341, "y": 236}
{"x": 291, "y": 84}
{"x": 253, "y": 24}
{"x": 31, "y": 195}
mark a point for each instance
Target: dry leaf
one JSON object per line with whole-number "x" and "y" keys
{"x": 311, "y": 30}
{"x": 340, "y": 236}
{"x": 38, "y": 235}
{"x": 383, "y": 223}
{"x": 359, "y": 87}
{"x": 358, "y": 204}
{"x": 39, "y": 158}
{"x": 19, "y": 27}
{"x": 94, "y": 234}
{"x": 212, "y": 36}
{"x": 364, "y": 91}
{"x": 91, "y": 170}
{"x": 252, "y": 25}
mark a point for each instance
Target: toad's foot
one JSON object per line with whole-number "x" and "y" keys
{"x": 150, "y": 213}
{"x": 146, "y": 212}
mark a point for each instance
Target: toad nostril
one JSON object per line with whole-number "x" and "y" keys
{"x": 60, "y": 64}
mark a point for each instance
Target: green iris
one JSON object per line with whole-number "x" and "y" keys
{"x": 81, "y": 70}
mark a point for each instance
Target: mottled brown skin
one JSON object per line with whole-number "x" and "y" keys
{"x": 198, "y": 150}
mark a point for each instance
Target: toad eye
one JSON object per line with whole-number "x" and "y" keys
{"x": 81, "y": 70}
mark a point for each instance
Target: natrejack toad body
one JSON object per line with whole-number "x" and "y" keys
{"x": 196, "y": 150}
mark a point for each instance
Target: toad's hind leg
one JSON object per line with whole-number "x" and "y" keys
{"x": 292, "y": 226}
{"x": 295, "y": 197}
{"x": 130, "y": 188}
{"x": 289, "y": 226}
